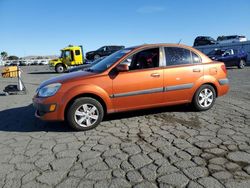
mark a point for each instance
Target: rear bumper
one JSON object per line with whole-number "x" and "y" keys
{"x": 224, "y": 81}
{"x": 223, "y": 87}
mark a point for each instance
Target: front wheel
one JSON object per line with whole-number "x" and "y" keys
{"x": 204, "y": 98}
{"x": 242, "y": 64}
{"x": 59, "y": 68}
{"x": 85, "y": 113}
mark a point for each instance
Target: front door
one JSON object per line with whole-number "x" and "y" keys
{"x": 68, "y": 57}
{"x": 142, "y": 85}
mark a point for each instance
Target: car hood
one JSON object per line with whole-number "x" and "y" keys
{"x": 54, "y": 59}
{"x": 79, "y": 68}
{"x": 67, "y": 77}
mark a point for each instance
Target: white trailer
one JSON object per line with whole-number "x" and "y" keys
{"x": 237, "y": 45}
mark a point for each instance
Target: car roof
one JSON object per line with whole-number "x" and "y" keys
{"x": 203, "y": 37}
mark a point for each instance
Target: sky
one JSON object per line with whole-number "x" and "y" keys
{"x": 43, "y": 27}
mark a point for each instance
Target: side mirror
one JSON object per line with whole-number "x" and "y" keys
{"x": 122, "y": 68}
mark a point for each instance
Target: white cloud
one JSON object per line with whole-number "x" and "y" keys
{"x": 150, "y": 9}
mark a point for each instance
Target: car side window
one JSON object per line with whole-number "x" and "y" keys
{"x": 101, "y": 49}
{"x": 195, "y": 58}
{"x": 228, "y": 52}
{"x": 145, "y": 59}
{"x": 177, "y": 56}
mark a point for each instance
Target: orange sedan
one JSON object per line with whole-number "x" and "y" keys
{"x": 134, "y": 78}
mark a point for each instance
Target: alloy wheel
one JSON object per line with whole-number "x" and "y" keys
{"x": 205, "y": 98}
{"x": 86, "y": 115}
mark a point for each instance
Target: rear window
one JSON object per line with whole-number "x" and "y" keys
{"x": 232, "y": 37}
{"x": 221, "y": 38}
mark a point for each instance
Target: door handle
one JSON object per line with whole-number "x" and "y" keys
{"x": 196, "y": 70}
{"x": 155, "y": 75}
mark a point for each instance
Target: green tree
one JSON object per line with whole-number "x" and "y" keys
{"x": 4, "y": 55}
{"x": 12, "y": 57}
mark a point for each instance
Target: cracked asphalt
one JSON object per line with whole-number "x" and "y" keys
{"x": 163, "y": 147}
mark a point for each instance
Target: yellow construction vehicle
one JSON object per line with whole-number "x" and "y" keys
{"x": 70, "y": 56}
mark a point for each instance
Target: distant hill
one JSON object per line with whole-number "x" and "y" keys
{"x": 40, "y": 57}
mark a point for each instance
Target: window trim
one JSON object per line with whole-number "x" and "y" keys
{"x": 193, "y": 59}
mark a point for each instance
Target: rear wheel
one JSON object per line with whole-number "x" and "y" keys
{"x": 204, "y": 98}
{"x": 84, "y": 114}
{"x": 242, "y": 64}
{"x": 59, "y": 68}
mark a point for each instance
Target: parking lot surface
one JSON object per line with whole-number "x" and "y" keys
{"x": 163, "y": 147}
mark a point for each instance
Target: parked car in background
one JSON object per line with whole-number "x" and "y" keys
{"x": 85, "y": 66}
{"x": 7, "y": 63}
{"x": 231, "y": 38}
{"x": 15, "y": 63}
{"x": 23, "y": 63}
{"x": 204, "y": 40}
{"x": 231, "y": 57}
{"x": 43, "y": 62}
{"x": 35, "y": 62}
{"x": 103, "y": 51}
{"x": 138, "y": 77}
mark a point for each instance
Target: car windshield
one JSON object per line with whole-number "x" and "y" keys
{"x": 216, "y": 52}
{"x": 109, "y": 61}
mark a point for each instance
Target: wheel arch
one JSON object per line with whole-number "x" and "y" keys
{"x": 60, "y": 63}
{"x": 211, "y": 84}
{"x": 244, "y": 58}
{"x": 90, "y": 95}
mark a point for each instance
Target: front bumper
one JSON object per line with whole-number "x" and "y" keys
{"x": 46, "y": 110}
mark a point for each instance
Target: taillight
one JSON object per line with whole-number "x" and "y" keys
{"x": 223, "y": 67}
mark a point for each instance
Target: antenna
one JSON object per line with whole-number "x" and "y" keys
{"x": 179, "y": 41}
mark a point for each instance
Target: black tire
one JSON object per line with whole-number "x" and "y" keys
{"x": 96, "y": 56}
{"x": 60, "y": 68}
{"x": 197, "y": 99}
{"x": 242, "y": 64}
{"x": 76, "y": 106}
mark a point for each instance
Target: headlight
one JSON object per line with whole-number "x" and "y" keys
{"x": 49, "y": 90}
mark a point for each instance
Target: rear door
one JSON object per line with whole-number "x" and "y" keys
{"x": 183, "y": 69}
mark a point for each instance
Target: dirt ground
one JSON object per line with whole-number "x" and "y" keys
{"x": 163, "y": 147}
